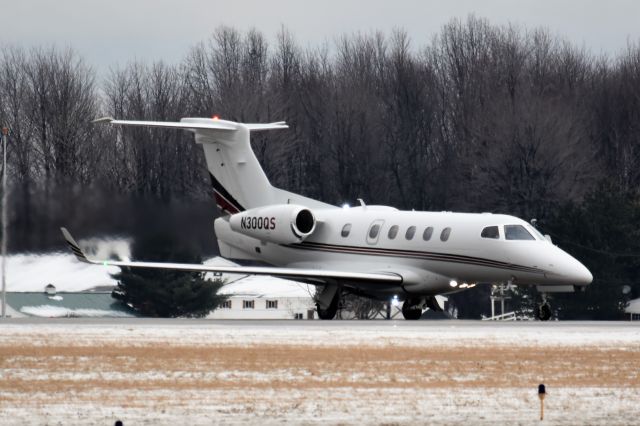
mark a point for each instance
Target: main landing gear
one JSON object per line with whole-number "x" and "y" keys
{"x": 330, "y": 312}
{"x": 543, "y": 310}
{"x": 412, "y": 309}
{"x": 328, "y": 302}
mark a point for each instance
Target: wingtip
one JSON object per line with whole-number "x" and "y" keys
{"x": 73, "y": 245}
{"x": 103, "y": 120}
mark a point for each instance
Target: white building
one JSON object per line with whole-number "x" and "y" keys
{"x": 633, "y": 309}
{"x": 264, "y": 297}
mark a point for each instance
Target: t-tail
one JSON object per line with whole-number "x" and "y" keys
{"x": 238, "y": 181}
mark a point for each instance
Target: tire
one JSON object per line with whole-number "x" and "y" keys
{"x": 330, "y": 312}
{"x": 544, "y": 312}
{"x": 410, "y": 311}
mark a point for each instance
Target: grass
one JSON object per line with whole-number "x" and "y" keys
{"x": 55, "y": 368}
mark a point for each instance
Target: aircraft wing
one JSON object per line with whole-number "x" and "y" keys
{"x": 319, "y": 276}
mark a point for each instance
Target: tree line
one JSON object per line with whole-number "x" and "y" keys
{"x": 479, "y": 118}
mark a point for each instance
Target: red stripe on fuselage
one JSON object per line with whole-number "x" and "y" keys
{"x": 224, "y": 204}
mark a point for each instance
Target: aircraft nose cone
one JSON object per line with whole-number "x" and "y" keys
{"x": 579, "y": 274}
{"x": 585, "y": 276}
{"x": 571, "y": 271}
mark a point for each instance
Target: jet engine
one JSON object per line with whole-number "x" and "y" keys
{"x": 279, "y": 224}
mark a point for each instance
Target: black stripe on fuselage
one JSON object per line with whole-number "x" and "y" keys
{"x": 221, "y": 190}
{"x": 434, "y": 256}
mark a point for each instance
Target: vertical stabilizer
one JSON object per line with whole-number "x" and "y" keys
{"x": 236, "y": 175}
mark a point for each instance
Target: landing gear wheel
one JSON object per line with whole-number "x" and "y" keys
{"x": 543, "y": 312}
{"x": 330, "y": 312}
{"x": 411, "y": 310}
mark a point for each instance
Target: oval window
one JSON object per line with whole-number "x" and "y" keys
{"x": 444, "y": 235}
{"x": 426, "y": 235}
{"x": 345, "y": 230}
{"x": 411, "y": 231}
{"x": 393, "y": 231}
{"x": 373, "y": 232}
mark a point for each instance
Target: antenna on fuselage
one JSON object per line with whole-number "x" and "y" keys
{"x": 361, "y": 201}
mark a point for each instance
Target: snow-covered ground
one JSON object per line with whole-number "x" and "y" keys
{"x": 383, "y": 372}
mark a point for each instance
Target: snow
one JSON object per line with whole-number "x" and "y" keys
{"x": 31, "y": 272}
{"x": 49, "y": 311}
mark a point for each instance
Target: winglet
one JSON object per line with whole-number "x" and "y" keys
{"x": 103, "y": 120}
{"x": 75, "y": 248}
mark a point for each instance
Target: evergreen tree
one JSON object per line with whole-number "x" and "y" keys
{"x": 166, "y": 293}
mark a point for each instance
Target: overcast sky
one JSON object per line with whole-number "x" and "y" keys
{"x": 115, "y": 32}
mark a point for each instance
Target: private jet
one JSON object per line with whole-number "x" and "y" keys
{"x": 370, "y": 250}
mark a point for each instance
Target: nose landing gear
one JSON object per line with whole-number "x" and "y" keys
{"x": 543, "y": 310}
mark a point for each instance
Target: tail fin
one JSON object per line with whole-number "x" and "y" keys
{"x": 238, "y": 180}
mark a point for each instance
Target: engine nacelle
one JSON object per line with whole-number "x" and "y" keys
{"x": 279, "y": 224}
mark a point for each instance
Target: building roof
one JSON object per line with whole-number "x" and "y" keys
{"x": 94, "y": 304}
{"x": 265, "y": 287}
{"x": 31, "y": 273}
{"x": 633, "y": 307}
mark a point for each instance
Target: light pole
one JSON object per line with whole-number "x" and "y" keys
{"x": 5, "y": 132}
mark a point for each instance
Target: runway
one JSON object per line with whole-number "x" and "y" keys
{"x": 397, "y": 323}
{"x": 165, "y": 371}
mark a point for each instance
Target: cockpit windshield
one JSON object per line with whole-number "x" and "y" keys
{"x": 536, "y": 232}
{"x": 517, "y": 232}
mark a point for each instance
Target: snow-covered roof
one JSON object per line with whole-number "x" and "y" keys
{"x": 30, "y": 272}
{"x": 634, "y": 307}
{"x": 265, "y": 286}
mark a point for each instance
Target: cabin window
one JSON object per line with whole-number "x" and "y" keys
{"x": 426, "y": 235}
{"x": 490, "y": 232}
{"x": 517, "y": 232}
{"x": 411, "y": 231}
{"x": 393, "y": 231}
{"x": 345, "y": 230}
{"x": 373, "y": 231}
{"x": 272, "y": 304}
{"x": 226, "y": 304}
{"x": 444, "y": 235}
{"x": 247, "y": 304}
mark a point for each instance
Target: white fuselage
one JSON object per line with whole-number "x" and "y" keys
{"x": 432, "y": 263}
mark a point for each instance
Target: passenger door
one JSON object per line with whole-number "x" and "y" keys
{"x": 373, "y": 233}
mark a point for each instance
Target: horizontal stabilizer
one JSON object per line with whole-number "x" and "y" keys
{"x": 197, "y": 124}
